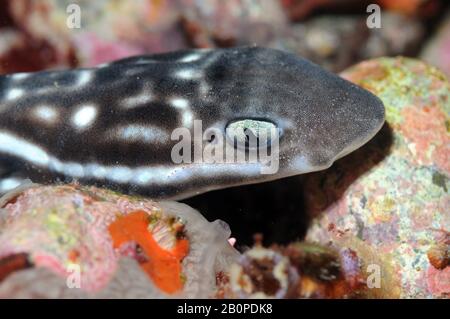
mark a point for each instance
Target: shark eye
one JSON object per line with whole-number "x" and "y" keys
{"x": 251, "y": 134}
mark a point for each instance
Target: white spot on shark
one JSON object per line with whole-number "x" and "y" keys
{"x": 84, "y": 77}
{"x": 180, "y": 103}
{"x": 191, "y": 58}
{"x": 14, "y": 93}
{"x": 46, "y": 114}
{"x": 194, "y": 56}
{"x": 187, "y": 118}
{"x": 139, "y": 133}
{"x": 138, "y": 100}
{"x": 20, "y": 76}
{"x": 186, "y": 113}
{"x": 188, "y": 74}
{"x": 84, "y": 116}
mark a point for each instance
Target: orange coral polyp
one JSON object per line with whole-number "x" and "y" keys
{"x": 163, "y": 266}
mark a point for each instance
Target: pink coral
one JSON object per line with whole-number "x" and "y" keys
{"x": 425, "y": 127}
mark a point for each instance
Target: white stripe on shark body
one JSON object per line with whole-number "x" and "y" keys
{"x": 20, "y": 148}
{"x": 141, "y": 175}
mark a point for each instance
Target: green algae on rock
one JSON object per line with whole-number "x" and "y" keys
{"x": 389, "y": 200}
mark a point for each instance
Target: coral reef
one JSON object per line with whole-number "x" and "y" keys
{"x": 107, "y": 245}
{"x": 379, "y": 218}
{"x": 115, "y": 29}
{"x": 389, "y": 200}
{"x": 298, "y": 270}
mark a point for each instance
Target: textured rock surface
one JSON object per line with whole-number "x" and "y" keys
{"x": 389, "y": 201}
{"x": 61, "y": 230}
{"x": 298, "y": 270}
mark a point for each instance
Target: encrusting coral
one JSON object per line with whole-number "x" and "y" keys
{"x": 106, "y": 244}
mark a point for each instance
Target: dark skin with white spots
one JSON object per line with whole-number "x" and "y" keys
{"x": 320, "y": 117}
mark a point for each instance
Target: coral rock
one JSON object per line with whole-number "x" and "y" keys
{"x": 107, "y": 245}
{"x": 389, "y": 200}
{"x": 298, "y": 270}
